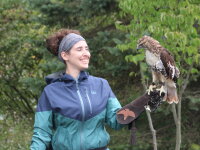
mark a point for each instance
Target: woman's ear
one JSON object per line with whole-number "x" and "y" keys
{"x": 65, "y": 56}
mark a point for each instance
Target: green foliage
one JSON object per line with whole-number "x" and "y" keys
{"x": 13, "y": 136}
{"x": 195, "y": 147}
{"x": 22, "y": 51}
{"x": 175, "y": 24}
{"x": 71, "y": 13}
{"x": 25, "y": 61}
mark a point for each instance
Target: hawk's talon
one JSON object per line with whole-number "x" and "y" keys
{"x": 161, "y": 90}
{"x": 162, "y": 94}
{"x": 151, "y": 87}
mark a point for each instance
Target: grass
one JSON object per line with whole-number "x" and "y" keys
{"x": 15, "y": 133}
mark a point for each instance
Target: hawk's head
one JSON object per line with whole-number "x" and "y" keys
{"x": 148, "y": 43}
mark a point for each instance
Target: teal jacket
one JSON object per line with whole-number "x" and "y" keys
{"x": 72, "y": 114}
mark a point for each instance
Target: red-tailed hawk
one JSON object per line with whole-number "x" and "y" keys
{"x": 162, "y": 64}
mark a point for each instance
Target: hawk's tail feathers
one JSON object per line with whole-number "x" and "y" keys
{"x": 172, "y": 96}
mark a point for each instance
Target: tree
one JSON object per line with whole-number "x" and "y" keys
{"x": 23, "y": 31}
{"x": 21, "y": 56}
{"x": 96, "y": 21}
{"x": 175, "y": 25}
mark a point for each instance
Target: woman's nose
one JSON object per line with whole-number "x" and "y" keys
{"x": 86, "y": 52}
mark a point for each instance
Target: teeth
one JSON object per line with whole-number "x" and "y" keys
{"x": 85, "y": 61}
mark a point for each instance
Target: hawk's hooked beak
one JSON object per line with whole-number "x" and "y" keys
{"x": 139, "y": 47}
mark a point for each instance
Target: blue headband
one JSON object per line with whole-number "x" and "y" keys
{"x": 68, "y": 42}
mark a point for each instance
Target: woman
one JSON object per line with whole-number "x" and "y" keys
{"x": 75, "y": 106}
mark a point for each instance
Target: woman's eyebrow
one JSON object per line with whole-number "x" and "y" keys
{"x": 79, "y": 47}
{"x": 82, "y": 47}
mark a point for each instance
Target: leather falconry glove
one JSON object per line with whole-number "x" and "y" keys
{"x": 128, "y": 113}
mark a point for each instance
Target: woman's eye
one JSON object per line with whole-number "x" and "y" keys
{"x": 87, "y": 49}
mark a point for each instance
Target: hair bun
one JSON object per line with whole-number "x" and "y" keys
{"x": 53, "y": 41}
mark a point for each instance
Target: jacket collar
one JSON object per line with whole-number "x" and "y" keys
{"x": 62, "y": 76}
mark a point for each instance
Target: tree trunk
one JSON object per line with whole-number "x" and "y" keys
{"x": 177, "y": 111}
{"x": 177, "y": 120}
{"x": 153, "y": 131}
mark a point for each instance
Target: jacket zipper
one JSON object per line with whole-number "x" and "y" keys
{"x": 83, "y": 117}
{"x": 88, "y": 98}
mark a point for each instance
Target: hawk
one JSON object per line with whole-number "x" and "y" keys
{"x": 163, "y": 67}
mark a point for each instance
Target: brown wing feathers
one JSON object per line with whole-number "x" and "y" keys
{"x": 156, "y": 54}
{"x": 167, "y": 59}
{"x": 169, "y": 64}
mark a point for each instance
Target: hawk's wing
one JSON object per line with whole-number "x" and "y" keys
{"x": 169, "y": 64}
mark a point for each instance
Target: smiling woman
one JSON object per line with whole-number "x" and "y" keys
{"x": 77, "y": 59}
{"x": 71, "y": 48}
{"x": 75, "y": 106}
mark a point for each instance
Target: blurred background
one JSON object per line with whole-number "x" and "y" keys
{"x": 111, "y": 28}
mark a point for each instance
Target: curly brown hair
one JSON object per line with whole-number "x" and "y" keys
{"x": 53, "y": 41}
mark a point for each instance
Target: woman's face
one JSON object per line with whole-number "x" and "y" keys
{"x": 78, "y": 57}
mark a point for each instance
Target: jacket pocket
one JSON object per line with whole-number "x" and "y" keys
{"x": 60, "y": 140}
{"x": 104, "y": 138}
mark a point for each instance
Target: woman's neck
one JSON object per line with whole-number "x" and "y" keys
{"x": 73, "y": 73}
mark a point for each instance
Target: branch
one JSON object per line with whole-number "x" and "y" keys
{"x": 27, "y": 106}
{"x": 16, "y": 104}
{"x": 185, "y": 83}
{"x": 152, "y": 130}
{"x": 25, "y": 100}
{"x": 12, "y": 99}
{"x": 174, "y": 113}
{"x": 177, "y": 117}
{"x": 157, "y": 131}
{"x": 6, "y": 103}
